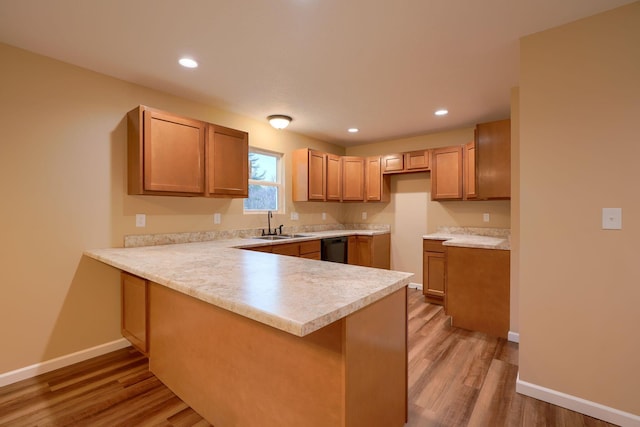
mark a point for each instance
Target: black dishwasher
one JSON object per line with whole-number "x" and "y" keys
{"x": 334, "y": 249}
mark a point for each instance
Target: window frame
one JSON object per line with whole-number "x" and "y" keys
{"x": 279, "y": 184}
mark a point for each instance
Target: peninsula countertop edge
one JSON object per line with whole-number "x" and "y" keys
{"x": 295, "y": 295}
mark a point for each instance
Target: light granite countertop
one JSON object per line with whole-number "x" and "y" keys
{"x": 292, "y": 294}
{"x": 482, "y": 238}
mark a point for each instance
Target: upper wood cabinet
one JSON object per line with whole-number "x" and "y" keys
{"x": 178, "y": 156}
{"x": 309, "y": 175}
{"x": 376, "y": 185}
{"x": 393, "y": 163}
{"x": 413, "y": 161}
{"x": 469, "y": 171}
{"x": 352, "y": 178}
{"x": 227, "y": 162}
{"x": 417, "y": 160}
{"x": 334, "y": 177}
{"x": 446, "y": 173}
{"x": 165, "y": 153}
{"x": 493, "y": 151}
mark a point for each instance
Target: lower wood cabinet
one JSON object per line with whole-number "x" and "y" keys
{"x": 434, "y": 267}
{"x": 478, "y": 289}
{"x": 370, "y": 251}
{"x": 134, "y": 312}
{"x": 309, "y": 249}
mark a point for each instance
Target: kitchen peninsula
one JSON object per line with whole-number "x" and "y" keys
{"x": 251, "y": 338}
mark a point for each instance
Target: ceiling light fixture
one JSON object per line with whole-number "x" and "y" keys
{"x": 279, "y": 121}
{"x": 441, "y": 112}
{"x": 353, "y": 130}
{"x": 188, "y": 63}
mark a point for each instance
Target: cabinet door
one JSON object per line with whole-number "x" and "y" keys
{"x": 173, "y": 153}
{"x": 417, "y": 160}
{"x": 393, "y": 163}
{"x": 352, "y": 250}
{"x": 353, "y": 178}
{"x": 380, "y": 251}
{"x": 334, "y": 177}
{"x": 134, "y": 315}
{"x": 227, "y": 162}
{"x": 493, "y": 145}
{"x": 433, "y": 276}
{"x": 317, "y": 178}
{"x": 469, "y": 173}
{"x": 446, "y": 175}
{"x": 373, "y": 179}
{"x": 291, "y": 249}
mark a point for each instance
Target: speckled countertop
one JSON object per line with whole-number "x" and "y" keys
{"x": 466, "y": 237}
{"x": 292, "y": 294}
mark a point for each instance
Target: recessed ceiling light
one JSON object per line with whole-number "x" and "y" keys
{"x": 188, "y": 63}
{"x": 441, "y": 112}
{"x": 353, "y": 130}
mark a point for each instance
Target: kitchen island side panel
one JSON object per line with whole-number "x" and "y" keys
{"x": 236, "y": 372}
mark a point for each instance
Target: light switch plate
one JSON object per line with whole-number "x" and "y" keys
{"x": 364, "y": 215}
{"x": 216, "y": 218}
{"x": 324, "y": 216}
{"x": 486, "y": 217}
{"x": 141, "y": 220}
{"x": 294, "y": 216}
{"x": 612, "y": 218}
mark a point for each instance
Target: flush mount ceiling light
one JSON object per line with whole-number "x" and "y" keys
{"x": 279, "y": 121}
{"x": 188, "y": 63}
{"x": 353, "y": 130}
{"x": 441, "y": 112}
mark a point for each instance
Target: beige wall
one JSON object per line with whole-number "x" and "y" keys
{"x": 415, "y": 189}
{"x": 514, "y": 276}
{"x": 62, "y": 165}
{"x": 579, "y": 146}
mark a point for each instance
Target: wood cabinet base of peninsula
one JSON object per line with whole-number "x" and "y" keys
{"x": 238, "y": 372}
{"x": 478, "y": 289}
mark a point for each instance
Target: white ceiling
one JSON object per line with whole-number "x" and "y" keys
{"x": 383, "y": 66}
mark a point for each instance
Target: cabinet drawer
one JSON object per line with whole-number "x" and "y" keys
{"x": 309, "y": 247}
{"x": 433, "y": 245}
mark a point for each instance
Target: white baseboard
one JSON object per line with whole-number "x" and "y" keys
{"x": 513, "y": 336}
{"x": 577, "y": 404}
{"x": 60, "y": 362}
{"x": 415, "y": 286}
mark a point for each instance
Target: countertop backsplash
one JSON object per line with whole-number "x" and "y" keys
{"x": 138, "y": 240}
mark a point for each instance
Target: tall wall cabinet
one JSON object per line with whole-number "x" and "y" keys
{"x": 177, "y": 156}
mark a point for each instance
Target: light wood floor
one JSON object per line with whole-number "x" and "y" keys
{"x": 456, "y": 378}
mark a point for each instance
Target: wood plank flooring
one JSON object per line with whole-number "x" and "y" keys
{"x": 456, "y": 378}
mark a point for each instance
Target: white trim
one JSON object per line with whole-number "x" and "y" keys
{"x": 577, "y": 404}
{"x": 60, "y": 362}
{"x": 415, "y": 286}
{"x": 513, "y": 336}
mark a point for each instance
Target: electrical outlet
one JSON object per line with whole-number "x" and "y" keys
{"x": 294, "y": 216}
{"x": 486, "y": 217}
{"x": 216, "y": 218}
{"x": 324, "y": 216}
{"x": 364, "y": 215}
{"x": 141, "y": 220}
{"x": 612, "y": 218}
